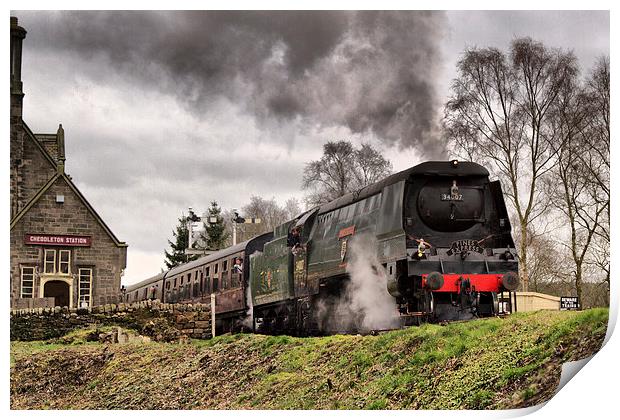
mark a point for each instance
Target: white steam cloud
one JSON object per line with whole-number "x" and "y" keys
{"x": 365, "y": 304}
{"x": 367, "y": 291}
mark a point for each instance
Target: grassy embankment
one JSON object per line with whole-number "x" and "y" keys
{"x": 483, "y": 364}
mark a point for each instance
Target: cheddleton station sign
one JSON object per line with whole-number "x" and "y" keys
{"x": 60, "y": 240}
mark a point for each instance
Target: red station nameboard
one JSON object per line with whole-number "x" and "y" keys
{"x": 58, "y": 240}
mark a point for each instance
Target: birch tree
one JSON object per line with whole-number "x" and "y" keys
{"x": 499, "y": 115}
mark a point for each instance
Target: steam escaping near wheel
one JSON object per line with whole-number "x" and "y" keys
{"x": 365, "y": 300}
{"x": 367, "y": 289}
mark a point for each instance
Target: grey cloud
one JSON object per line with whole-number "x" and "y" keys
{"x": 280, "y": 65}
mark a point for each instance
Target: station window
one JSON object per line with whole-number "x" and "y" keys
{"x": 208, "y": 271}
{"x": 215, "y": 269}
{"x": 224, "y": 265}
{"x": 27, "y": 282}
{"x": 167, "y": 285}
{"x": 85, "y": 286}
{"x": 189, "y": 277}
{"x": 57, "y": 261}
{"x": 50, "y": 261}
{"x": 64, "y": 261}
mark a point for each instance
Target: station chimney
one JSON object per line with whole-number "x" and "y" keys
{"x": 17, "y": 94}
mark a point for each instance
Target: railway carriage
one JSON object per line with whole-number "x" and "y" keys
{"x": 195, "y": 281}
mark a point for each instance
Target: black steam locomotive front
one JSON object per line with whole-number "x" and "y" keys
{"x": 460, "y": 253}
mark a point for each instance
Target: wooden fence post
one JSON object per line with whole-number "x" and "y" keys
{"x": 212, "y": 315}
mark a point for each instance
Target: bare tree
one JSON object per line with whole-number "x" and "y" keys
{"x": 341, "y": 170}
{"x": 597, "y": 161}
{"x": 292, "y": 208}
{"x": 575, "y": 196}
{"x": 547, "y": 265}
{"x": 499, "y": 115}
{"x": 270, "y": 213}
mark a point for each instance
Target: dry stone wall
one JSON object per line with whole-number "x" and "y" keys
{"x": 160, "y": 321}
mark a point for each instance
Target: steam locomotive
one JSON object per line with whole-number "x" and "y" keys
{"x": 440, "y": 237}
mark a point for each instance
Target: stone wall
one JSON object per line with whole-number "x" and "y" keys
{"x": 32, "y": 303}
{"x": 160, "y": 321}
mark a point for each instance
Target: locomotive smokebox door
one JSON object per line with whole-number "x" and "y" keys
{"x": 448, "y": 205}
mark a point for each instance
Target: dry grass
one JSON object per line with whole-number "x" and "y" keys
{"x": 483, "y": 364}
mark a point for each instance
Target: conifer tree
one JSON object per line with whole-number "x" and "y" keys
{"x": 177, "y": 256}
{"x": 215, "y": 234}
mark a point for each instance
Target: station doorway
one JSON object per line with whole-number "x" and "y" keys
{"x": 59, "y": 290}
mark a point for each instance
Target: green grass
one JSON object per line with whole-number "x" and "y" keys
{"x": 482, "y": 364}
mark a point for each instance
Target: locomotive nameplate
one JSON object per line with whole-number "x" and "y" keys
{"x": 465, "y": 245}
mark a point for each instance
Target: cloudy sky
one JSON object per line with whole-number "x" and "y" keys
{"x": 166, "y": 110}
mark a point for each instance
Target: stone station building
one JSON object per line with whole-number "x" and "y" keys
{"x": 62, "y": 252}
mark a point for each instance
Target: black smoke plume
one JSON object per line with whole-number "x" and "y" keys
{"x": 370, "y": 71}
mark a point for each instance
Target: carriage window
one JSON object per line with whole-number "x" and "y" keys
{"x": 27, "y": 282}
{"x": 208, "y": 270}
{"x": 234, "y": 280}
{"x": 224, "y": 265}
{"x": 215, "y": 270}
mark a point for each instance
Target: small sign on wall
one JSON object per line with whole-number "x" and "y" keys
{"x": 59, "y": 240}
{"x": 569, "y": 303}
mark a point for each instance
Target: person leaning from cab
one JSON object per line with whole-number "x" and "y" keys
{"x": 293, "y": 240}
